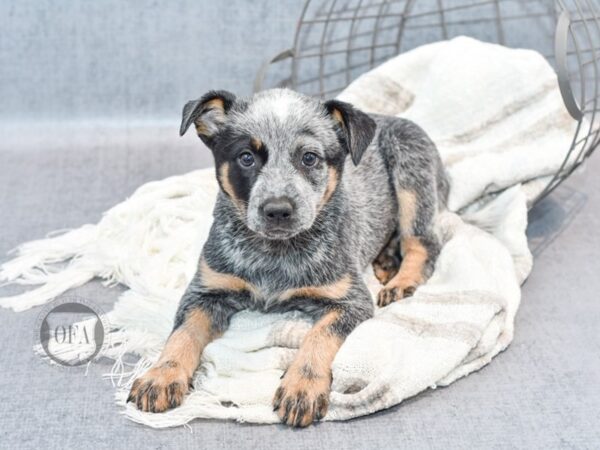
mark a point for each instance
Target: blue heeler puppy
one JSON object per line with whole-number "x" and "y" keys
{"x": 311, "y": 193}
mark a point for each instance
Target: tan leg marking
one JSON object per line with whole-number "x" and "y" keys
{"x": 303, "y": 395}
{"x": 168, "y": 381}
{"x": 414, "y": 254}
{"x": 410, "y": 275}
{"x": 332, "y": 182}
{"x": 218, "y": 281}
{"x": 407, "y": 208}
{"x": 333, "y": 291}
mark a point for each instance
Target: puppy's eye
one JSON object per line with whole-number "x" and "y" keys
{"x": 246, "y": 159}
{"x": 309, "y": 159}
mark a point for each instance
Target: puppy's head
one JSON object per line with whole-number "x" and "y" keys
{"x": 279, "y": 155}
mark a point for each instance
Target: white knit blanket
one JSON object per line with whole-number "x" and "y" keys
{"x": 499, "y": 122}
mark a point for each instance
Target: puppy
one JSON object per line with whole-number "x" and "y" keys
{"x": 311, "y": 193}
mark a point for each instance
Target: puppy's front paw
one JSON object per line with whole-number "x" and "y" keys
{"x": 161, "y": 388}
{"x": 301, "y": 400}
{"x": 393, "y": 292}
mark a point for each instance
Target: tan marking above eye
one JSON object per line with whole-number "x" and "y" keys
{"x": 333, "y": 291}
{"x": 224, "y": 281}
{"x": 407, "y": 206}
{"x": 256, "y": 143}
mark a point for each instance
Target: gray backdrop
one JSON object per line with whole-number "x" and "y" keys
{"x": 131, "y": 61}
{"x": 135, "y": 60}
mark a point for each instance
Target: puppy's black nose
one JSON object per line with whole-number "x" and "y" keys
{"x": 278, "y": 210}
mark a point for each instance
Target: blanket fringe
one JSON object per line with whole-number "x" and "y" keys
{"x": 39, "y": 263}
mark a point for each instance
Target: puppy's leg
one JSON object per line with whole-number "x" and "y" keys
{"x": 303, "y": 395}
{"x": 203, "y": 315}
{"x": 419, "y": 245}
{"x": 421, "y": 189}
{"x": 169, "y": 380}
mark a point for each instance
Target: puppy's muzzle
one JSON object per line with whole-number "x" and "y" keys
{"x": 278, "y": 213}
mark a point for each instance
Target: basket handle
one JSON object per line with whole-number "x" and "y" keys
{"x": 260, "y": 76}
{"x": 561, "y": 40}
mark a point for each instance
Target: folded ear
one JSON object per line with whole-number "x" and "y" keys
{"x": 355, "y": 128}
{"x": 208, "y": 113}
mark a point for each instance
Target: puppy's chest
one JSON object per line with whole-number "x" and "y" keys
{"x": 273, "y": 279}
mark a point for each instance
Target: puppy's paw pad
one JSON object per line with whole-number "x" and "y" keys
{"x": 159, "y": 389}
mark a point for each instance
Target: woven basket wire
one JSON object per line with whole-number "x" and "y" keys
{"x": 338, "y": 40}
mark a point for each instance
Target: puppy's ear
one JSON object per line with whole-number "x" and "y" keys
{"x": 208, "y": 113}
{"x": 355, "y": 128}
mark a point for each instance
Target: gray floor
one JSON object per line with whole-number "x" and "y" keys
{"x": 543, "y": 392}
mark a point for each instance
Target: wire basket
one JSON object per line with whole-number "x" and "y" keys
{"x": 337, "y": 40}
